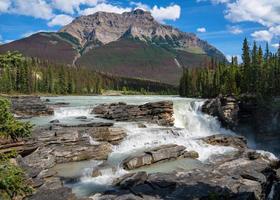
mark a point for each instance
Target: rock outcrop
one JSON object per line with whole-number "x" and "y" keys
{"x": 159, "y": 154}
{"x": 238, "y": 178}
{"x": 29, "y": 106}
{"x": 225, "y": 108}
{"x": 160, "y": 113}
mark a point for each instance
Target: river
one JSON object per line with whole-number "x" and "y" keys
{"x": 190, "y": 125}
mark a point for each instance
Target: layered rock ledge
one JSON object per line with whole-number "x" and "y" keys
{"x": 29, "y": 106}
{"x": 160, "y": 113}
{"x": 162, "y": 153}
{"x": 244, "y": 175}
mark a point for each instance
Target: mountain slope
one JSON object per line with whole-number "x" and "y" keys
{"x": 131, "y": 44}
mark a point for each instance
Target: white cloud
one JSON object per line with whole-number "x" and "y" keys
{"x": 60, "y": 20}
{"x": 265, "y": 12}
{"x": 276, "y": 46}
{"x": 35, "y": 8}
{"x": 70, "y": 6}
{"x": 171, "y": 12}
{"x": 201, "y": 30}
{"x": 139, "y": 5}
{"x": 235, "y": 30}
{"x": 104, "y": 7}
{"x": 4, "y": 5}
{"x": 262, "y": 35}
{"x": 215, "y": 1}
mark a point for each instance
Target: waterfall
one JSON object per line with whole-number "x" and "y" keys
{"x": 64, "y": 112}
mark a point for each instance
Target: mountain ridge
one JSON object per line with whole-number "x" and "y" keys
{"x": 131, "y": 44}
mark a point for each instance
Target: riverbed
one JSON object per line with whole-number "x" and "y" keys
{"x": 190, "y": 126}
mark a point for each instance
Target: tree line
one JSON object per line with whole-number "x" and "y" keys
{"x": 19, "y": 74}
{"x": 259, "y": 74}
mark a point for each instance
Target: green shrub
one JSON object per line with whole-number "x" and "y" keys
{"x": 12, "y": 179}
{"x": 9, "y": 126}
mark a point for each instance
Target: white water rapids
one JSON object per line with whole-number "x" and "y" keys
{"x": 190, "y": 126}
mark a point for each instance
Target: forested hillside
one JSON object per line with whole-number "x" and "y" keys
{"x": 19, "y": 74}
{"x": 258, "y": 74}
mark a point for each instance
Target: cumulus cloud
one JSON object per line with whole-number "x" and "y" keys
{"x": 171, "y": 12}
{"x": 60, "y": 20}
{"x": 215, "y": 1}
{"x": 70, "y": 6}
{"x": 201, "y": 30}
{"x": 4, "y": 5}
{"x": 262, "y": 35}
{"x": 235, "y": 30}
{"x": 264, "y": 12}
{"x": 104, "y": 7}
{"x": 35, "y": 8}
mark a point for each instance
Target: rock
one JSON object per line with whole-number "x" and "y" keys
{"x": 81, "y": 117}
{"x": 235, "y": 178}
{"x": 226, "y": 108}
{"x": 238, "y": 142}
{"x": 102, "y": 169}
{"x": 158, "y": 154}
{"x": 158, "y": 112}
{"x": 191, "y": 154}
{"x": 56, "y": 121}
{"x": 112, "y": 135}
{"x": 54, "y": 194}
{"x": 92, "y": 124}
{"x": 253, "y": 155}
{"x": 140, "y": 125}
{"x": 29, "y": 106}
{"x": 61, "y": 104}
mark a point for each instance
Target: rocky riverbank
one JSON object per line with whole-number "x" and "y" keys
{"x": 240, "y": 174}
{"x": 29, "y": 106}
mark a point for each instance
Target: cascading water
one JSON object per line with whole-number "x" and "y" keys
{"x": 190, "y": 126}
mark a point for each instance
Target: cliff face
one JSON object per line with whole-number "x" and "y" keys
{"x": 102, "y": 28}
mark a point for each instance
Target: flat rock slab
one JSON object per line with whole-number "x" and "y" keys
{"x": 24, "y": 106}
{"x": 158, "y": 154}
{"x": 160, "y": 113}
{"x": 113, "y": 135}
{"x": 238, "y": 142}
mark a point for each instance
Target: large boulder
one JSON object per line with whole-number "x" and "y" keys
{"x": 24, "y": 106}
{"x": 226, "y": 108}
{"x": 158, "y": 112}
{"x": 159, "y": 154}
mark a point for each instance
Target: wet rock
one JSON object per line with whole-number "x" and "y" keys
{"x": 158, "y": 112}
{"x": 113, "y": 135}
{"x": 235, "y": 178}
{"x": 81, "y": 117}
{"x": 29, "y": 106}
{"x": 85, "y": 125}
{"x": 226, "y": 108}
{"x": 158, "y": 154}
{"x": 253, "y": 155}
{"x": 61, "y": 104}
{"x": 56, "y": 121}
{"x": 140, "y": 125}
{"x": 238, "y": 142}
{"x": 103, "y": 168}
{"x": 191, "y": 154}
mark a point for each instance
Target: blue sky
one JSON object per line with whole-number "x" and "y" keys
{"x": 223, "y": 23}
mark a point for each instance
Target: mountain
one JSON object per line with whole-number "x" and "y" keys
{"x": 132, "y": 44}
